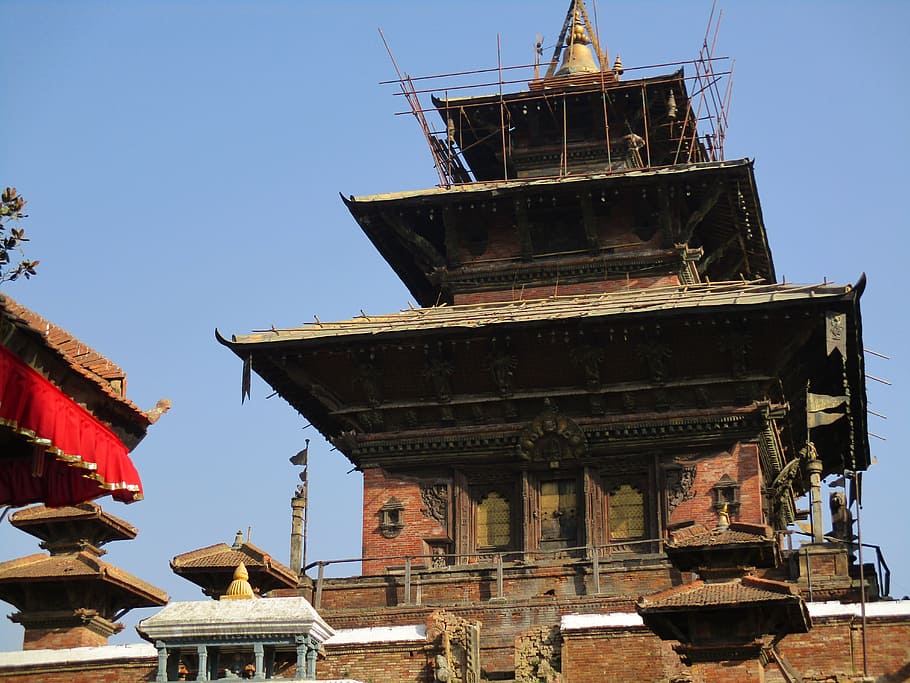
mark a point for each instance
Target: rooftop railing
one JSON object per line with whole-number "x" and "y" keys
{"x": 498, "y": 561}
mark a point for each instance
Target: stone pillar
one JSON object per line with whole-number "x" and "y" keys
{"x": 814, "y": 467}
{"x": 298, "y": 509}
{"x": 301, "y": 657}
{"x": 203, "y": 653}
{"x": 311, "y": 664}
{"x": 162, "y": 661}
{"x": 259, "y": 661}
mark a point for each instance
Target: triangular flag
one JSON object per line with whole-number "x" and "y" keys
{"x": 820, "y": 419}
{"x": 817, "y": 402}
{"x": 246, "y": 378}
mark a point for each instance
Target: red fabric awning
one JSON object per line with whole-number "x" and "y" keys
{"x": 76, "y": 457}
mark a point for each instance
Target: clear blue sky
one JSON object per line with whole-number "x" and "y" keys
{"x": 182, "y": 162}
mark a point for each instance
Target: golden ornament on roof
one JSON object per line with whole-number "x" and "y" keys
{"x": 240, "y": 588}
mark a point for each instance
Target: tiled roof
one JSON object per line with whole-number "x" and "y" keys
{"x": 591, "y": 306}
{"x": 700, "y": 536}
{"x": 224, "y": 557}
{"x": 52, "y": 568}
{"x": 40, "y": 514}
{"x": 83, "y": 359}
{"x": 748, "y": 589}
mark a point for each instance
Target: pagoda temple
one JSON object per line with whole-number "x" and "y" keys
{"x": 70, "y": 597}
{"x": 602, "y": 357}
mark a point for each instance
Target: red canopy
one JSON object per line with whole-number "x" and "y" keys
{"x": 76, "y": 457}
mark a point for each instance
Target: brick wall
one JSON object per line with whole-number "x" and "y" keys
{"x": 631, "y": 655}
{"x": 741, "y": 463}
{"x": 477, "y": 584}
{"x": 96, "y": 672}
{"x": 378, "y": 662}
{"x": 61, "y": 638}
{"x": 378, "y": 488}
{"x": 832, "y": 648}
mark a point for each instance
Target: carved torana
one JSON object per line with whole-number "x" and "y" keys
{"x": 551, "y": 437}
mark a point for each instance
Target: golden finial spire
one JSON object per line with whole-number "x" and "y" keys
{"x": 240, "y": 588}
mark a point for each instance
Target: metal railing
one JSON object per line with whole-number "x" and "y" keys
{"x": 498, "y": 561}
{"x": 883, "y": 571}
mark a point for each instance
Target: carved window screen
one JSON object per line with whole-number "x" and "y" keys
{"x": 626, "y": 514}
{"x": 494, "y": 522}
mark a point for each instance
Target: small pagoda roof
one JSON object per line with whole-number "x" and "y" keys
{"x": 68, "y": 570}
{"x": 740, "y": 544}
{"x": 709, "y": 595}
{"x": 738, "y": 533}
{"x": 211, "y": 568}
{"x": 276, "y": 620}
{"x": 86, "y": 521}
{"x": 740, "y": 609}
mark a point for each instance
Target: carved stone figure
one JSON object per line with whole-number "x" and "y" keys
{"x": 841, "y": 517}
{"x": 439, "y": 372}
{"x": 679, "y": 486}
{"x": 435, "y": 498}
{"x": 502, "y": 365}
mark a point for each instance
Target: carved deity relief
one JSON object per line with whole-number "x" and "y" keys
{"x": 655, "y": 356}
{"x": 680, "y": 486}
{"x": 439, "y": 374}
{"x": 590, "y": 359}
{"x": 738, "y": 346}
{"x": 369, "y": 377}
{"x": 502, "y": 365}
{"x": 435, "y": 499}
{"x": 551, "y": 438}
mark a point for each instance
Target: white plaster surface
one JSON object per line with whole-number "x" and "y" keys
{"x": 378, "y": 634}
{"x": 579, "y": 622}
{"x": 21, "y": 658}
{"x": 885, "y": 608}
{"x": 202, "y": 619}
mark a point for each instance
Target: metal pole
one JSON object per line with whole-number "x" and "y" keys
{"x": 862, "y": 576}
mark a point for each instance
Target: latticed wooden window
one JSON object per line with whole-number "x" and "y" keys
{"x": 494, "y": 515}
{"x": 627, "y": 513}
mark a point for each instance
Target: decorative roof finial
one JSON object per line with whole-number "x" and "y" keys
{"x": 240, "y": 588}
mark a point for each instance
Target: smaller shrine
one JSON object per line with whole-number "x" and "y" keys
{"x": 237, "y": 636}
{"x": 70, "y": 597}
{"x": 212, "y": 567}
{"x": 731, "y": 612}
